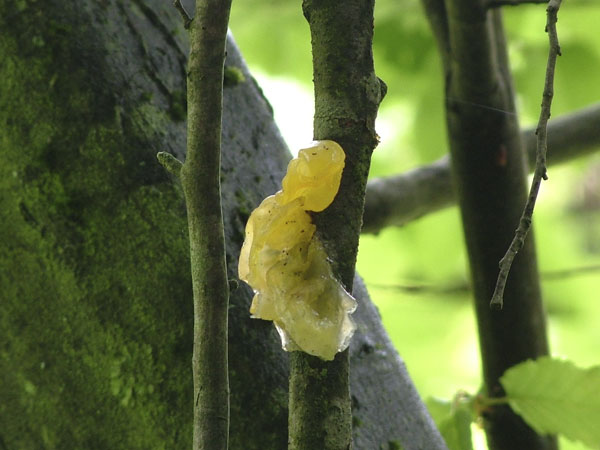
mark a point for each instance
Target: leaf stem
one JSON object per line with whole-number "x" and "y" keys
{"x": 492, "y": 401}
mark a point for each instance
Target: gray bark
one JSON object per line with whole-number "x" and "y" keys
{"x": 399, "y": 199}
{"x": 96, "y": 292}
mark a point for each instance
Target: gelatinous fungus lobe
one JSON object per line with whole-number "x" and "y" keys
{"x": 286, "y": 264}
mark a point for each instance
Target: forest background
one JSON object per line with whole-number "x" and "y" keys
{"x": 418, "y": 274}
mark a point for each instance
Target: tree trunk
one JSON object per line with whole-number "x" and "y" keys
{"x": 347, "y": 96}
{"x": 489, "y": 173}
{"x": 96, "y": 301}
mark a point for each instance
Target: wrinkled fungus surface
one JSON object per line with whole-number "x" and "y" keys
{"x": 286, "y": 264}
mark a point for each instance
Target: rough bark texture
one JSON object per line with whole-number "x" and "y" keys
{"x": 489, "y": 174}
{"x": 347, "y": 96}
{"x": 96, "y": 304}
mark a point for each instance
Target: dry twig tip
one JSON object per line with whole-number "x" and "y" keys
{"x": 539, "y": 174}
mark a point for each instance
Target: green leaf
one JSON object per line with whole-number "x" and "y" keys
{"x": 555, "y": 396}
{"x": 453, "y": 419}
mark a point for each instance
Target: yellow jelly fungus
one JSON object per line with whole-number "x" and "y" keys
{"x": 314, "y": 175}
{"x": 286, "y": 264}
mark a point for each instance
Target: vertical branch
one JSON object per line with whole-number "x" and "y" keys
{"x": 489, "y": 172}
{"x": 200, "y": 179}
{"x": 347, "y": 95}
{"x": 540, "y": 161}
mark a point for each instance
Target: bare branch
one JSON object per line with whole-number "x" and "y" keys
{"x": 187, "y": 20}
{"x": 498, "y": 3}
{"x": 570, "y": 273}
{"x": 540, "y": 167}
{"x": 569, "y": 136}
{"x": 463, "y": 287}
{"x": 169, "y": 162}
{"x": 400, "y": 199}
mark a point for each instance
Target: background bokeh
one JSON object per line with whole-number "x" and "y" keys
{"x": 417, "y": 274}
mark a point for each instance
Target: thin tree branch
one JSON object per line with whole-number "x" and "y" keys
{"x": 400, "y": 199}
{"x": 570, "y": 136}
{"x": 169, "y": 162}
{"x": 463, "y": 287}
{"x": 200, "y": 179}
{"x": 498, "y": 3}
{"x": 187, "y": 20}
{"x": 347, "y": 96}
{"x": 540, "y": 167}
{"x": 562, "y": 274}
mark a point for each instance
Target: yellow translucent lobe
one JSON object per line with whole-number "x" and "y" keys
{"x": 314, "y": 175}
{"x": 286, "y": 264}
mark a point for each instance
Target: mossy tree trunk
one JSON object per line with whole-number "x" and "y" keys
{"x": 96, "y": 303}
{"x": 489, "y": 169}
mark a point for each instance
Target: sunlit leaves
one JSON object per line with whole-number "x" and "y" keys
{"x": 555, "y": 396}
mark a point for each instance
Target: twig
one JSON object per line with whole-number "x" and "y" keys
{"x": 187, "y": 20}
{"x": 169, "y": 162}
{"x": 568, "y": 273}
{"x": 498, "y": 3}
{"x": 540, "y": 168}
{"x": 460, "y": 287}
{"x": 463, "y": 287}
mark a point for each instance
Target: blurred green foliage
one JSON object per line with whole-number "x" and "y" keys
{"x": 431, "y": 323}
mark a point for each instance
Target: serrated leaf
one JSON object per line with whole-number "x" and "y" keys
{"x": 453, "y": 419}
{"x": 555, "y": 397}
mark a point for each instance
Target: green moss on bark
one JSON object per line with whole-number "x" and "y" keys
{"x": 90, "y": 280}
{"x": 96, "y": 317}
